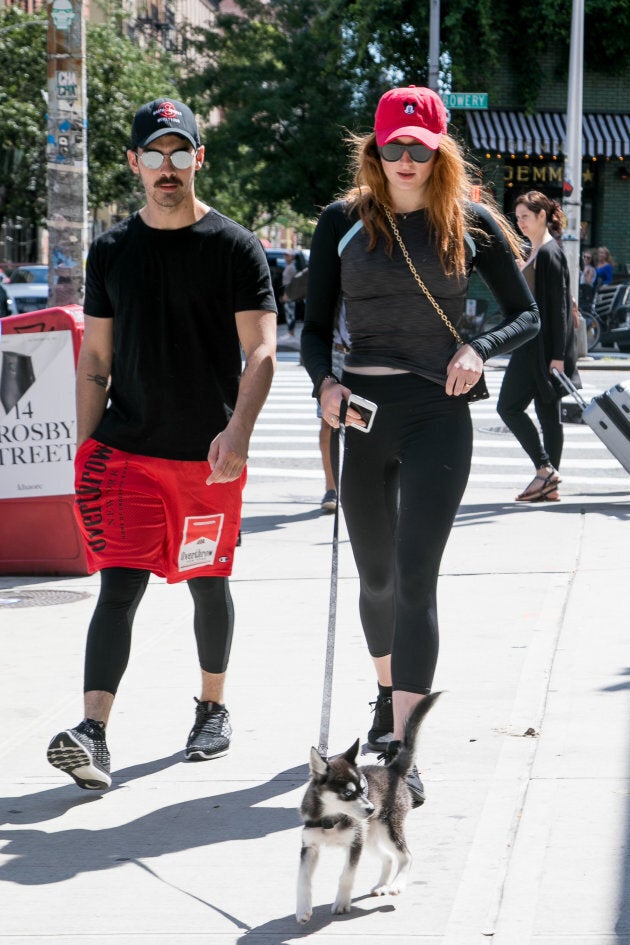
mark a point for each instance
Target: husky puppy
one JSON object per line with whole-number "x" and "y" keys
{"x": 346, "y": 805}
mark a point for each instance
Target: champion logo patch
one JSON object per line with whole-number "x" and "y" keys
{"x": 200, "y": 541}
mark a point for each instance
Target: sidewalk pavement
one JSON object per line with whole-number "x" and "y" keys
{"x": 525, "y": 833}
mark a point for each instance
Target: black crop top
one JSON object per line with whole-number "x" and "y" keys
{"x": 390, "y": 321}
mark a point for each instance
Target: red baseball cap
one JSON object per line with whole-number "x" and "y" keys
{"x": 415, "y": 112}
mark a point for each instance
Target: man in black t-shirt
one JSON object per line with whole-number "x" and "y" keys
{"x": 174, "y": 295}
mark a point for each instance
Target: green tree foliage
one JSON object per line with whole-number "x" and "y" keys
{"x": 22, "y": 115}
{"x": 387, "y": 43}
{"x": 120, "y": 76}
{"x": 290, "y": 79}
{"x": 275, "y": 75}
{"x": 491, "y": 39}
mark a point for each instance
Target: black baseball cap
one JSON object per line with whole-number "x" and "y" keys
{"x": 163, "y": 116}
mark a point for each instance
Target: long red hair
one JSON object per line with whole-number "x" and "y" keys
{"x": 449, "y": 205}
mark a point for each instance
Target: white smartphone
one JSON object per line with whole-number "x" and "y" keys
{"x": 366, "y": 408}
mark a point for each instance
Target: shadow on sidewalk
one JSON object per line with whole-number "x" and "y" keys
{"x": 256, "y": 524}
{"x": 54, "y": 802}
{"x": 286, "y": 930}
{"x": 483, "y": 513}
{"x": 622, "y": 925}
{"x": 39, "y": 857}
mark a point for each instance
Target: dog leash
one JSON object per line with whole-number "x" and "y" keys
{"x": 324, "y": 726}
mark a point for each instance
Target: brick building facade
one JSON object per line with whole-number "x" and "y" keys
{"x": 517, "y": 152}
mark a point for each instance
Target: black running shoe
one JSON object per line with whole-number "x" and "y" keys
{"x": 82, "y": 753}
{"x": 415, "y": 785}
{"x": 210, "y": 735}
{"x": 382, "y": 725}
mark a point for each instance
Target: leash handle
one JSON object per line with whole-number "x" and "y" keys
{"x": 324, "y": 726}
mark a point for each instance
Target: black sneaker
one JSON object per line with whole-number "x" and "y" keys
{"x": 383, "y": 723}
{"x": 82, "y": 753}
{"x": 415, "y": 785}
{"x": 329, "y": 502}
{"x": 210, "y": 735}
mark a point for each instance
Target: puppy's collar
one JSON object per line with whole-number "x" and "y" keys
{"x": 326, "y": 823}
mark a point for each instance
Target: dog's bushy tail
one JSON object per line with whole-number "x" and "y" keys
{"x": 404, "y": 759}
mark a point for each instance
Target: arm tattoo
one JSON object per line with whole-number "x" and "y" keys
{"x": 98, "y": 379}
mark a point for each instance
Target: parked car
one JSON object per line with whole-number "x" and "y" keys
{"x": 27, "y": 288}
{"x": 33, "y": 274}
{"x": 26, "y": 296}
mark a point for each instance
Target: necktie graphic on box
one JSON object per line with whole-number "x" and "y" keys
{"x": 17, "y": 376}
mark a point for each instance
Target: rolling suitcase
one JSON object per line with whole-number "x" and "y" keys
{"x": 608, "y": 416}
{"x": 620, "y": 395}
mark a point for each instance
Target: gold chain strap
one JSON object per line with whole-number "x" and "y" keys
{"x": 416, "y": 276}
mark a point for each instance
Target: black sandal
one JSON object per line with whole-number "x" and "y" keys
{"x": 549, "y": 484}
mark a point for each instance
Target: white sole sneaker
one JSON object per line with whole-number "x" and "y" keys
{"x": 71, "y": 756}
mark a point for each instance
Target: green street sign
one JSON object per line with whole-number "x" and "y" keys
{"x": 465, "y": 99}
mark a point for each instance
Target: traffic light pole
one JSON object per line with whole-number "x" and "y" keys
{"x": 572, "y": 186}
{"x": 66, "y": 152}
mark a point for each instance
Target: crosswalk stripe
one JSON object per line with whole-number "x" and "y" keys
{"x": 282, "y": 439}
{"x": 285, "y": 442}
{"x": 283, "y": 473}
{"x": 286, "y": 454}
{"x": 573, "y": 463}
{"x": 512, "y": 444}
{"x": 617, "y": 481}
{"x": 286, "y": 426}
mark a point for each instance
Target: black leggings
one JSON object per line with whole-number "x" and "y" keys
{"x": 517, "y": 392}
{"x": 109, "y": 635}
{"x": 401, "y": 486}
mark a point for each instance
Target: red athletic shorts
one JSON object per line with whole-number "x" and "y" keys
{"x": 155, "y": 514}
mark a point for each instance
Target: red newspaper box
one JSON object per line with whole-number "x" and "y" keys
{"x": 38, "y": 356}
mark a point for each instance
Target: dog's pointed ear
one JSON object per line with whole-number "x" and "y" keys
{"x": 351, "y": 754}
{"x": 318, "y": 765}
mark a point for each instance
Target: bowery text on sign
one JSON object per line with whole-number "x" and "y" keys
{"x": 465, "y": 99}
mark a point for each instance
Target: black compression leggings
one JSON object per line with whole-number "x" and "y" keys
{"x": 401, "y": 486}
{"x": 109, "y": 635}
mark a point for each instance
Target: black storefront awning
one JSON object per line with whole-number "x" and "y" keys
{"x": 603, "y": 135}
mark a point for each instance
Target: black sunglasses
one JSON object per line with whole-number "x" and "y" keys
{"x": 419, "y": 153}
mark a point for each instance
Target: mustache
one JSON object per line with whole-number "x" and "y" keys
{"x": 168, "y": 180}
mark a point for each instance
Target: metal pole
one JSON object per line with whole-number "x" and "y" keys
{"x": 324, "y": 727}
{"x": 66, "y": 152}
{"x": 434, "y": 45}
{"x": 572, "y": 187}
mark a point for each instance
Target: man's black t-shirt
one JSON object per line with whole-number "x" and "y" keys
{"x": 177, "y": 358}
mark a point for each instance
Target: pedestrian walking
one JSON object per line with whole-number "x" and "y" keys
{"x": 528, "y": 377}
{"x": 604, "y": 267}
{"x": 288, "y": 273}
{"x": 173, "y": 294}
{"x": 399, "y": 247}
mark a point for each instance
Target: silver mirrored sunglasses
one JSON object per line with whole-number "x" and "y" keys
{"x": 179, "y": 159}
